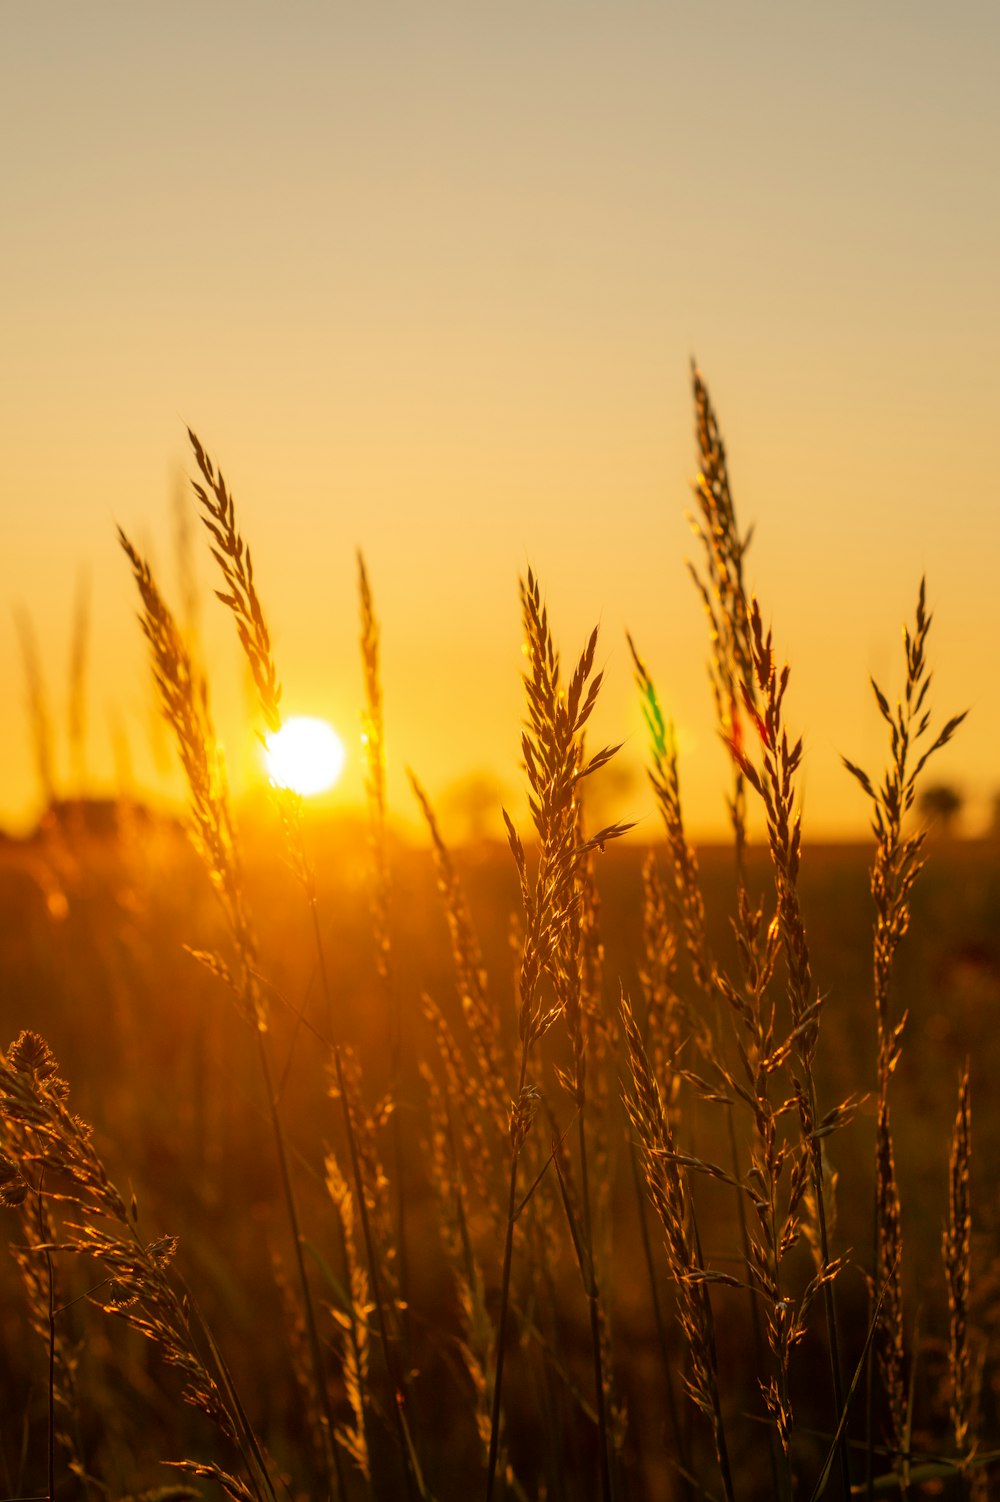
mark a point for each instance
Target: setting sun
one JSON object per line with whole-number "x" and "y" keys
{"x": 306, "y": 755}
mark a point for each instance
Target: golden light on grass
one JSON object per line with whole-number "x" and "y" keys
{"x": 305, "y": 755}
{"x": 753, "y": 1118}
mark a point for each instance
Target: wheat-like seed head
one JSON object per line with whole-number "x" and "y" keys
{"x": 183, "y": 695}
{"x": 240, "y": 593}
{"x": 897, "y": 863}
{"x": 373, "y": 728}
{"x": 664, "y": 776}
{"x": 552, "y": 745}
{"x": 55, "y": 1147}
{"x": 898, "y": 857}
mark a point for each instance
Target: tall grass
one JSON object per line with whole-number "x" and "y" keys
{"x": 481, "y": 1304}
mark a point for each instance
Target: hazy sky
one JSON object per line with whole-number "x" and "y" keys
{"x": 427, "y": 279}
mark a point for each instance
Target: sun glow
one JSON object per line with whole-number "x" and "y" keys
{"x": 306, "y": 755}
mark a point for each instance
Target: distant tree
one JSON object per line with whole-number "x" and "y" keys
{"x": 474, "y": 804}
{"x": 612, "y": 794}
{"x": 994, "y": 830}
{"x": 941, "y": 805}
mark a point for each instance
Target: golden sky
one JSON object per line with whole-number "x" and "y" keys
{"x": 426, "y": 279}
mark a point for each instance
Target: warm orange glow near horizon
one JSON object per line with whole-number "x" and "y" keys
{"x": 427, "y": 282}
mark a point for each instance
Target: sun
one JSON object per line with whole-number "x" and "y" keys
{"x": 306, "y": 755}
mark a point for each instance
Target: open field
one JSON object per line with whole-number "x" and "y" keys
{"x": 161, "y": 1063}
{"x": 468, "y": 1033}
{"x": 560, "y": 1168}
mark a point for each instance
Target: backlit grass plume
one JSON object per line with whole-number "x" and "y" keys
{"x": 240, "y": 594}
{"x": 898, "y": 859}
{"x": 482, "y": 1300}
{"x": 68, "y": 1194}
{"x": 671, "y": 1201}
{"x": 183, "y": 695}
{"x": 240, "y": 597}
{"x": 556, "y": 764}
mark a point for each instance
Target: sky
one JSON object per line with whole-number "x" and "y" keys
{"x": 427, "y": 280}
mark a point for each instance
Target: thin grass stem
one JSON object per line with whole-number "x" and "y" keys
{"x": 508, "y": 1247}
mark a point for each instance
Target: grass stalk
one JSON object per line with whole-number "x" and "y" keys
{"x": 184, "y": 701}
{"x": 397, "y": 1379}
{"x": 552, "y": 746}
{"x": 373, "y": 740}
{"x": 51, "y": 1396}
{"x": 291, "y": 1207}
{"x": 709, "y": 981}
{"x": 593, "y": 1300}
{"x": 518, "y": 1128}
{"x": 680, "y": 1438}
{"x": 241, "y": 598}
{"x": 774, "y": 783}
{"x": 671, "y": 1199}
{"x": 897, "y": 863}
{"x": 45, "y": 1134}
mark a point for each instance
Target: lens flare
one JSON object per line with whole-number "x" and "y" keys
{"x": 306, "y": 755}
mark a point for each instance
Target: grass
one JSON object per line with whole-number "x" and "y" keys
{"x": 585, "y": 1191}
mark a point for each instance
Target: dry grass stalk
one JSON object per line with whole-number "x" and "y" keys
{"x": 552, "y": 745}
{"x": 52, "y": 1153}
{"x": 775, "y": 784}
{"x": 666, "y": 1026}
{"x": 722, "y": 591}
{"x": 492, "y": 1065}
{"x": 471, "y": 1106}
{"x": 577, "y": 984}
{"x": 183, "y": 697}
{"x": 665, "y": 780}
{"x": 39, "y": 1280}
{"x": 240, "y": 596}
{"x": 354, "y": 1324}
{"x": 897, "y": 863}
{"x": 777, "y": 1174}
{"x": 449, "y": 1185}
{"x": 373, "y": 742}
{"x": 747, "y": 1007}
{"x": 367, "y": 1127}
{"x": 962, "y": 1363}
{"x": 667, "y": 1023}
{"x": 470, "y": 1115}
{"x": 898, "y": 857}
{"x": 300, "y": 1361}
{"x": 890, "y": 1339}
{"x": 671, "y": 1201}
{"x": 231, "y": 553}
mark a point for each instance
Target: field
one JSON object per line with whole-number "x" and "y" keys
{"x": 560, "y": 1168}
